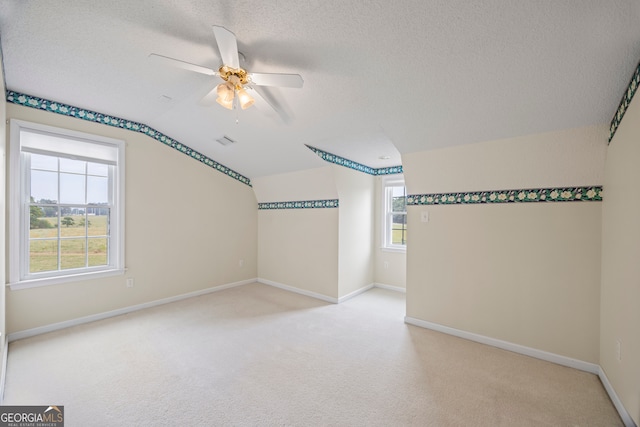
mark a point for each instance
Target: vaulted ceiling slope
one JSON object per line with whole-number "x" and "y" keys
{"x": 380, "y": 78}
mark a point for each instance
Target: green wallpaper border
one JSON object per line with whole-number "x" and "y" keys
{"x": 536, "y": 195}
{"x": 105, "y": 119}
{"x": 341, "y": 161}
{"x": 301, "y": 204}
{"x": 632, "y": 87}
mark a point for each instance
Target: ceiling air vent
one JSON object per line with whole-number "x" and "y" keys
{"x": 225, "y": 140}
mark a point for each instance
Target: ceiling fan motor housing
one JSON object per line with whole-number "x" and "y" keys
{"x": 237, "y": 76}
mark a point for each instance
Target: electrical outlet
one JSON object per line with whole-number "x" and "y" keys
{"x": 619, "y": 350}
{"x": 386, "y": 265}
{"x": 424, "y": 216}
{"x": 130, "y": 282}
{"x": 241, "y": 263}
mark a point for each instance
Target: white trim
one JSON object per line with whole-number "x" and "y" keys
{"x": 19, "y": 276}
{"x": 538, "y": 354}
{"x": 107, "y": 314}
{"x": 299, "y": 291}
{"x": 355, "y": 293}
{"x": 626, "y": 418}
{"x": 3, "y": 377}
{"x": 13, "y": 202}
{"x": 505, "y": 345}
{"x": 387, "y": 183}
{"x": 55, "y": 280}
{"x": 395, "y": 249}
{"x": 390, "y": 287}
{"x": 328, "y": 298}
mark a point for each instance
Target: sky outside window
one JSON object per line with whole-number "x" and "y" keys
{"x": 80, "y": 182}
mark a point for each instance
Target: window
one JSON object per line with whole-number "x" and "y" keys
{"x": 66, "y": 206}
{"x": 395, "y": 214}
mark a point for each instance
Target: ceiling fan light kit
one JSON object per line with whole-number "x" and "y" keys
{"x": 245, "y": 99}
{"x": 235, "y": 79}
{"x": 225, "y": 93}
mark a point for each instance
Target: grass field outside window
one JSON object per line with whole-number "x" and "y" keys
{"x": 80, "y": 245}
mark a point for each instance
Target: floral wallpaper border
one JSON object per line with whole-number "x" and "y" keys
{"x": 568, "y": 194}
{"x": 332, "y": 158}
{"x": 624, "y": 102}
{"x": 304, "y": 204}
{"x": 92, "y": 116}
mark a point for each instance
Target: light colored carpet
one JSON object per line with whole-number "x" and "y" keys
{"x": 256, "y": 355}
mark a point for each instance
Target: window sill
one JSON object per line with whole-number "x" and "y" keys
{"x": 399, "y": 250}
{"x": 56, "y": 280}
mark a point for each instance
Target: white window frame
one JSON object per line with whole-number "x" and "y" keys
{"x": 19, "y": 276}
{"x": 388, "y": 182}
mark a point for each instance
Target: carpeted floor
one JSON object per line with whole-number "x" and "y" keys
{"x": 259, "y": 356}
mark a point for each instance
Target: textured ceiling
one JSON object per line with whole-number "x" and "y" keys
{"x": 381, "y": 78}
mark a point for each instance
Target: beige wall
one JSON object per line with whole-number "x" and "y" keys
{"x": 390, "y": 267}
{"x": 620, "y": 296}
{"x": 326, "y": 251}
{"x": 309, "y": 184}
{"x": 356, "y": 226}
{"x": 572, "y": 157}
{"x": 187, "y": 228}
{"x": 299, "y": 247}
{"x": 524, "y": 273}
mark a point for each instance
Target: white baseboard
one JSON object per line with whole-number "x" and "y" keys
{"x": 505, "y": 345}
{"x": 298, "y": 291}
{"x": 532, "y": 352}
{"x": 105, "y": 315}
{"x": 355, "y": 293}
{"x": 626, "y": 418}
{"x": 320, "y": 296}
{"x": 390, "y": 287}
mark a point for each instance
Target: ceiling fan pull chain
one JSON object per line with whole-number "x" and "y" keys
{"x": 235, "y": 107}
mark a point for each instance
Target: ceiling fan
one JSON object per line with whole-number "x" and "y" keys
{"x": 239, "y": 87}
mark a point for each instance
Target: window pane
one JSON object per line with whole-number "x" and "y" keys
{"x": 97, "y": 190}
{"x": 97, "y": 169}
{"x": 43, "y": 255}
{"x": 69, "y": 201}
{"x": 395, "y": 236}
{"x": 398, "y": 199}
{"x": 97, "y": 224}
{"x": 44, "y": 186}
{"x": 72, "y": 223}
{"x": 98, "y": 249}
{"x": 38, "y": 161}
{"x": 51, "y": 212}
{"x": 39, "y": 225}
{"x": 72, "y": 253}
{"x": 72, "y": 188}
{"x": 399, "y": 230}
{"x": 74, "y": 166}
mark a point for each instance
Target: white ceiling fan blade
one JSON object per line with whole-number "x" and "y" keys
{"x": 210, "y": 98}
{"x": 165, "y": 60}
{"x": 263, "y": 103}
{"x": 228, "y": 46}
{"x": 279, "y": 80}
